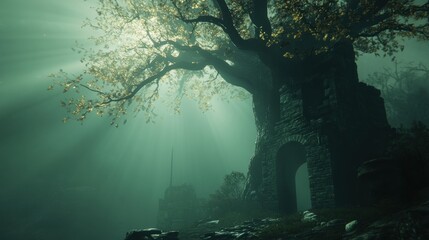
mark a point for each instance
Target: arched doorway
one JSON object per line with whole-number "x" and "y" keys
{"x": 290, "y": 158}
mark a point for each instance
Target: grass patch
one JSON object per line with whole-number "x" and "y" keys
{"x": 365, "y": 215}
{"x": 233, "y": 218}
{"x": 292, "y": 224}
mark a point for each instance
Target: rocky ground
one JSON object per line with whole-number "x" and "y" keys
{"x": 407, "y": 224}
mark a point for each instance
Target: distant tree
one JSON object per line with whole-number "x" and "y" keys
{"x": 228, "y": 198}
{"x": 406, "y": 93}
{"x": 232, "y": 187}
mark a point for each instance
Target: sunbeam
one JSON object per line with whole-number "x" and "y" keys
{"x": 56, "y": 179}
{"x": 68, "y": 180}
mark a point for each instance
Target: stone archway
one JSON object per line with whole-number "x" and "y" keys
{"x": 290, "y": 157}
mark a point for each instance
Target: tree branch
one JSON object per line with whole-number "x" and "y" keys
{"x": 231, "y": 30}
{"x": 390, "y": 19}
{"x": 157, "y": 77}
{"x": 422, "y": 30}
{"x": 211, "y": 59}
{"x": 207, "y": 19}
{"x": 259, "y": 16}
{"x": 225, "y": 23}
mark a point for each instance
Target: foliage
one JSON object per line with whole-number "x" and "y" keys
{"x": 232, "y": 187}
{"x": 245, "y": 213}
{"x": 406, "y": 93}
{"x": 292, "y": 224}
{"x": 365, "y": 215}
{"x": 199, "y": 48}
{"x": 410, "y": 148}
{"x": 228, "y": 197}
{"x": 228, "y": 206}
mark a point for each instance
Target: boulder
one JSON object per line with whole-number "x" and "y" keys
{"x": 380, "y": 180}
{"x": 308, "y": 216}
{"x": 351, "y": 226}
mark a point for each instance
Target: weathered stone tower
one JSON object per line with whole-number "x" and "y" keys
{"x": 333, "y": 123}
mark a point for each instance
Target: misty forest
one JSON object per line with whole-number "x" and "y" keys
{"x": 214, "y": 119}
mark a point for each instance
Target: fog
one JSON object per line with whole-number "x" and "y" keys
{"x": 95, "y": 181}
{"x": 73, "y": 181}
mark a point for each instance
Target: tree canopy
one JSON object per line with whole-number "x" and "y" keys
{"x": 200, "y": 48}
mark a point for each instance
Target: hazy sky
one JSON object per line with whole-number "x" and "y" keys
{"x": 67, "y": 181}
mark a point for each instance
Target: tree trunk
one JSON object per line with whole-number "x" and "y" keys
{"x": 264, "y": 121}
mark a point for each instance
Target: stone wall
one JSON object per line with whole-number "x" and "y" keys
{"x": 339, "y": 121}
{"x": 294, "y": 127}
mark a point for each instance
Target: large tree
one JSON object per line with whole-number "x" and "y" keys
{"x": 202, "y": 47}
{"x": 199, "y": 48}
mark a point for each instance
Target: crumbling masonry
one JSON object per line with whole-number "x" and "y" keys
{"x": 332, "y": 122}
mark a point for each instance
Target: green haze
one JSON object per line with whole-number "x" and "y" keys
{"x": 67, "y": 181}
{"x": 94, "y": 181}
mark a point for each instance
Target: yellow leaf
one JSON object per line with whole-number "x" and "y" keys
{"x": 325, "y": 37}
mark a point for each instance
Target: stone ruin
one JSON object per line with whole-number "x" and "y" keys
{"x": 180, "y": 208}
{"x": 333, "y": 123}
